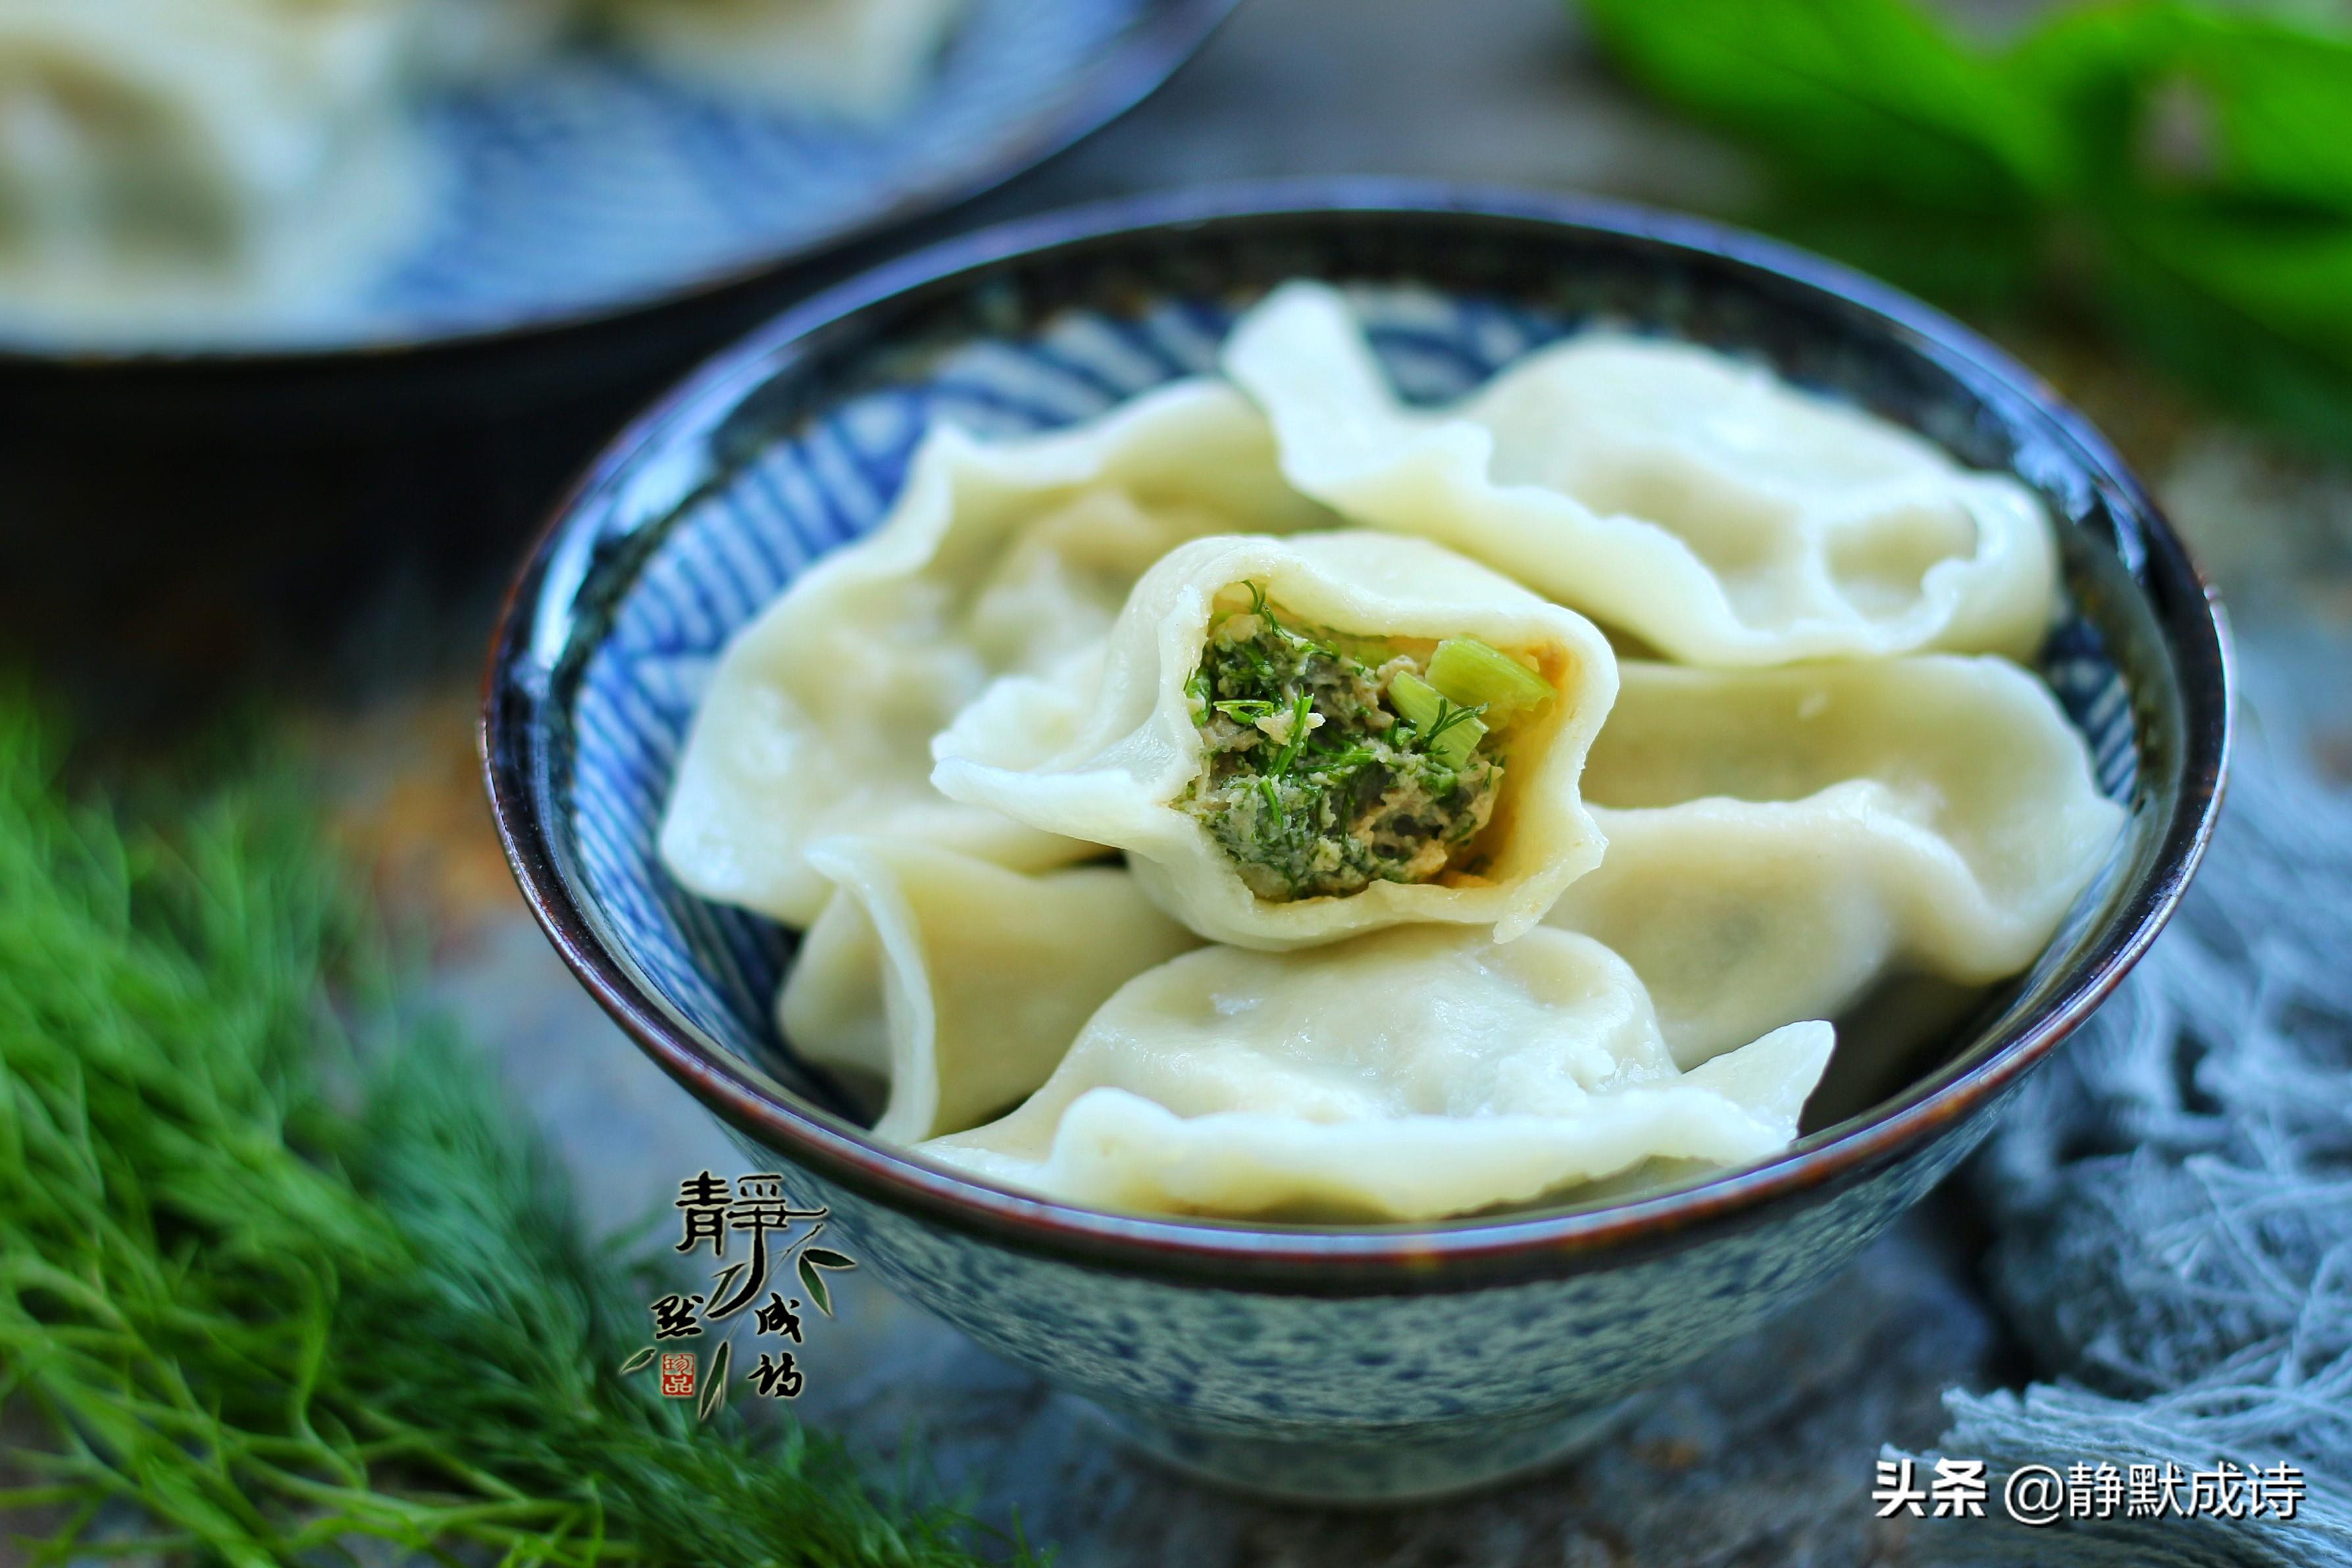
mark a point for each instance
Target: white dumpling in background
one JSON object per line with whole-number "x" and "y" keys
{"x": 1779, "y": 841}
{"x": 853, "y": 60}
{"x": 944, "y": 990}
{"x": 471, "y": 41}
{"x": 170, "y": 169}
{"x": 1699, "y": 503}
{"x": 1412, "y": 1074}
{"x": 999, "y": 558}
{"x": 1111, "y": 749}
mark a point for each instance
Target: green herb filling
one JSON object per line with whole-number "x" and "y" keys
{"x": 1332, "y": 763}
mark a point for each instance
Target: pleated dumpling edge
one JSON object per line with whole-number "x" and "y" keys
{"x": 1410, "y": 1074}
{"x": 998, "y": 556}
{"x": 1783, "y": 840}
{"x": 1716, "y": 512}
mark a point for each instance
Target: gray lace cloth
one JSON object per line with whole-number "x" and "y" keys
{"x": 2172, "y": 1199}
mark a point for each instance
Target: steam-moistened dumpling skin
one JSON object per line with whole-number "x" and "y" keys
{"x": 947, "y": 989}
{"x": 1257, "y": 828}
{"x": 999, "y": 558}
{"x": 856, "y": 59}
{"x": 1780, "y": 840}
{"x": 1414, "y": 1073}
{"x": 1701, "y": 504}
{"x": 171, "y": 166}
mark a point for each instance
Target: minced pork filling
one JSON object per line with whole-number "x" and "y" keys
{"x": 1318, "y": 784}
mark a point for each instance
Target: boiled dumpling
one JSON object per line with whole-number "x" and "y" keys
{"x": 1701, "y": 504}
{"x": 471, "y": 41}
{"x": 999, "y": 558}
{"x": 857, "y": 60}
{"x": 1413, "y": 1072}
{"x": 1294, "y": 739}
{"x": 944, "y": 990}
{"x": 1782, "y": 840}
{"x": 170, "y": 166}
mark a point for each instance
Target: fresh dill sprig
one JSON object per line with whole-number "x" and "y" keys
{"x": 1302, "y": 708}
{"x": 260, "y": 1322}
{"x": 1450, "y": 716}
{"x": 1198, "y": 696}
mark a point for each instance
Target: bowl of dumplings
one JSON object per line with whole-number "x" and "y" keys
{"x": 1356, "y": 820}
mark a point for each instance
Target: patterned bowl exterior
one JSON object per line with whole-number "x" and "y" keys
{"x": 1422, "y": 1374}
{"x": 588, "y": 183}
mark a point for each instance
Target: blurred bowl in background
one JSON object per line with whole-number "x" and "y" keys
{"x": 583, "y": 214}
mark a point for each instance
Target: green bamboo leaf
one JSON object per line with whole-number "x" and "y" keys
{"x": 814, "y": 1283}
{"x": 826, "y": 1258}
{"x": 638, "y": 1359}
{"x": 714, "y": 1392}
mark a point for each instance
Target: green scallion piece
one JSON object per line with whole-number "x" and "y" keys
{"x": 1477, "y": 674}
{"x": 1452, "y": 732}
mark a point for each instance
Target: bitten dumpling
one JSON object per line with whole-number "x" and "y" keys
{"x": 1296, "y": 739}
{"x": 1780, "y": 840}
{"x": 1701, "y": 504}
{"x": 1411, "y": 1073}
{"x": 943, "y": 989}
{"x": 997, "y": 558}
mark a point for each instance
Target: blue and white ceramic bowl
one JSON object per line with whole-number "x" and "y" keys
{"x": 1362, "y": 1362}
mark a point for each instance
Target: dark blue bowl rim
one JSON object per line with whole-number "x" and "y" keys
{"x": 522, "y": 696}
{"x": 1157, "y": 47}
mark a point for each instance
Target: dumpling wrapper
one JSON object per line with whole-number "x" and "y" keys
{"x": 1414, "y": 1073}
{"x": 1105, "y": 748}
{"x": 1779, "y": 841}
{"x": 471, "y": 41}
{"x": 1701, "y": 504}
{"x": 947, "y": 989}
{"x": 854, "y": 60}
{"x": 999, "y": 558}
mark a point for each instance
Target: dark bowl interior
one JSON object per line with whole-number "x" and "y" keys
{"x": 689, "y": 523}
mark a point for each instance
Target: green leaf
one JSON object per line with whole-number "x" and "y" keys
{"x": 2252, "y": 309}
{"x": 2193, "y": 99}
{"x": 714, "y": 1392}
{"x": 1857, "y": 94}
{"x": 826, "y": 1258}
{"x": 638, "y": 1359}
{"x": 814, "y": 1283}
{"x": 2184, "y": 169}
